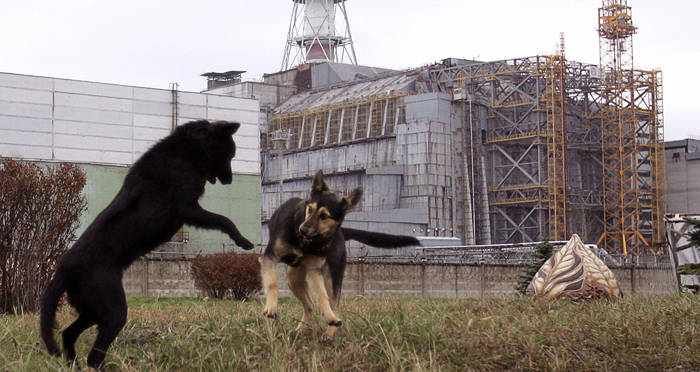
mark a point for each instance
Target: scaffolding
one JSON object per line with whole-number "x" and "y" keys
{"x": 340, "y": 123}
{"x": 555, "y": 101}
{"x": 536, "y": 112}
{"x": 516, "y": 137}
{"x": 632, "y": 139}
{"x": 657, "y": 157}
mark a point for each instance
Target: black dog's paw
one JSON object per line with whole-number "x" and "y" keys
{"x": 244, "y": 243}
{"x": 335, "y": 323}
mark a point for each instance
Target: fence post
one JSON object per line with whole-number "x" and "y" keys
{"x": 362, "y": 277}
{"x": 456, "y": 282}
{"x": 632, "y": 280}
{"x": 422, "y": 278}
{"x": 482, "y": 289}
{"x": 145, "y": 276}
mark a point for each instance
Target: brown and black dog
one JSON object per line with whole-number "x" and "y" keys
{"x": 308, "y": 237}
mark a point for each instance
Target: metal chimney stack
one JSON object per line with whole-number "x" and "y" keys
{"x": 313, "y": 35}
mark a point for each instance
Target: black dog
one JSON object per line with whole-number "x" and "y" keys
{"x": 160, "y": 194}
{"x": 307, "y": 235}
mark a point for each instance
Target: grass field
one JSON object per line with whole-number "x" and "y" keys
{"x": 654, "y": 334}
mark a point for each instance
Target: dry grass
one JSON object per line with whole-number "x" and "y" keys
{"x": 653, "y": 333}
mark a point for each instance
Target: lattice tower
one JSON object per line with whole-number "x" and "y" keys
{"x": 314, "y": 36}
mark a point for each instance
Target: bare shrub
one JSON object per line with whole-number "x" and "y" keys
{"x": 40, "y": 209}
{"x": 226, "y": 275}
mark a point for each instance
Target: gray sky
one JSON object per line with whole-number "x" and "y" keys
{"x": 155, "y": 42}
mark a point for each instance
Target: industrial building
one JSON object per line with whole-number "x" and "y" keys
{"x": 508, "y": 151}
{"x": 484, "y": 152}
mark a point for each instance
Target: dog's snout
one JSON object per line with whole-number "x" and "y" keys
{"x": 304, "y": 230}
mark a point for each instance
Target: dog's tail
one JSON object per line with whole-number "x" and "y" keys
{"x": 379, "y": 240}
{"x": 49, "y": 303}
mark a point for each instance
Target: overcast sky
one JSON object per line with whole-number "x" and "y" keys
{"x": 155, "y": 42}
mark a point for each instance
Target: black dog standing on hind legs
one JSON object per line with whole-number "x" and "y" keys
{"x": 160, "y": 193}
{"x": 308, "y": 237}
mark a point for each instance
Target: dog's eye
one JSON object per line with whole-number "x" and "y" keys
{"x": 324, "y": 216}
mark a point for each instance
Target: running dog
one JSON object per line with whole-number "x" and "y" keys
{"x": 308, "y": 237}
{"x": 160, "y": 193}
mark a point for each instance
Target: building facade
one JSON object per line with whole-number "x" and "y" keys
{"x": 489, "y": 152}
{"x": 683, "y": 175}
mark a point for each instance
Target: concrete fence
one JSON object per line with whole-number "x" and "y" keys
{"x": 156, "y": 276}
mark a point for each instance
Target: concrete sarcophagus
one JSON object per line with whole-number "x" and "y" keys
{"x": 574, "y": 273}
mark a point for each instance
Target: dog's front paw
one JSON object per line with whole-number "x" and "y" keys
{"x": 272, "y": 314}
{"x": 327, "y": 336}
{"x": 244, "y": 243}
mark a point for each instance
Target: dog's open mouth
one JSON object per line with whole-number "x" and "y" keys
{"x": 310, "y": 239}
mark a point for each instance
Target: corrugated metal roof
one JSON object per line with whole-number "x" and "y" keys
{"x": 347, "y": 93}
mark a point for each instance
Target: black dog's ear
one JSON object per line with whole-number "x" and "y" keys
{"x": 318, "y": 185}
{"x": 350, "y": 202}
{"x": 229, "y": 127}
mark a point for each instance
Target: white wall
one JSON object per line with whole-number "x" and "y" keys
{"x": 78, "y": 121}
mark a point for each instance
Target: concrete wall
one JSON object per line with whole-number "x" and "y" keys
{"x": 171, "y": 277}
{"x": 269, "y": 94}
{"x": 160, "y": 277}
{"x": 425, "y": 147}
{"x": 682, "y": 178}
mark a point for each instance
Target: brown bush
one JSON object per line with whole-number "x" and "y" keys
{"x": 40, "y": 209}
{"x": 227, "y": 275}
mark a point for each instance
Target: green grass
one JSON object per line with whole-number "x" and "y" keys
{"x": 639, "y": 333}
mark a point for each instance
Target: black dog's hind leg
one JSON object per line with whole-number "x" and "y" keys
{"x": 70, "y": 335}
{"x": 109, "y": 305}
{"x": 199, "y": 217}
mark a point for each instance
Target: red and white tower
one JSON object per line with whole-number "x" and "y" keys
{"x": 313, "y": 35}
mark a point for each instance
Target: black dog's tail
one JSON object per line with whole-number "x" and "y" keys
{"x": 379, "y": 240}
{"x": 49, "y": 303}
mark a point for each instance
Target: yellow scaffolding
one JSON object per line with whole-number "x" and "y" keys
{"x": 632, "y": 139}
{"x": 555, "y": 102}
